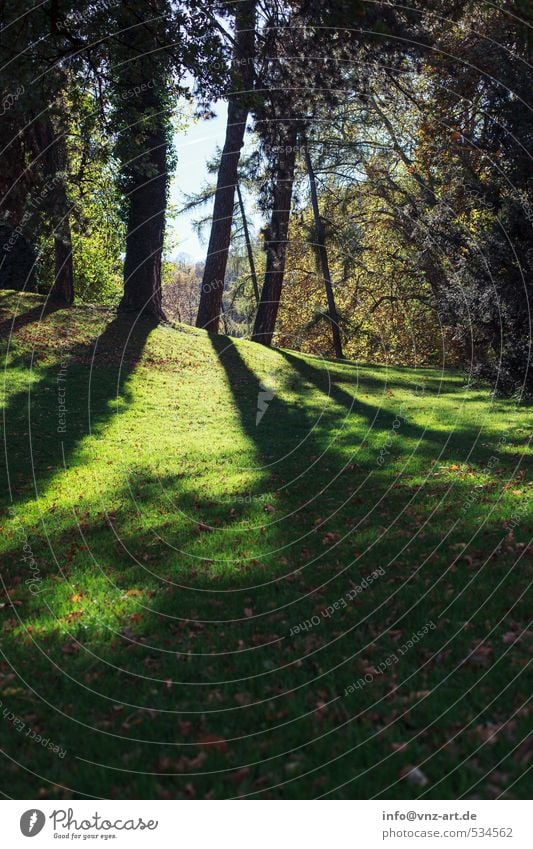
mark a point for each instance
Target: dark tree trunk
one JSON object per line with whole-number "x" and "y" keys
{"x": 276, "y": 241}
{"x": 212, "y": 290}
{"x": 63, "y": 287}
{"x": 51, "y": 151}
{"x": 17, "y": 260}
{"x": 147, "y": 200}
{"x": 323, "y": 257}
{"x": 17, "y": 248}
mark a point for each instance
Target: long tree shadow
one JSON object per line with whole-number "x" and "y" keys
{"x": 61, "y": 404}
{"x": 36, "y": 314}
{"x": 275, "y": 427}
{"x": 456, "y": 445}
{"x": 298, "y": 445}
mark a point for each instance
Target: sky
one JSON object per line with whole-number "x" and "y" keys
{"x": 194, "y": 148}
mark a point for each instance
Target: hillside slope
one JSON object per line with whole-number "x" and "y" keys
{"x": 186, "y": 525}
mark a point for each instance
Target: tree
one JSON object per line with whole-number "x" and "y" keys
{"x": 150, "y": 51}
{"x": 479, "y": 136}
{"x": 248, "y": 242}
{"x": 323, "y": 255}
{"x": 50, "y": 151}
{"x": 299, "y": 90}
{"x": 247, "y": 176}
{"x": 276, "y": 233}
{"x": 34, "y": 134}
{"x": 464, "y": 141}
{"x": 242, "y": 80}
{"x": 52, "y": 64}
{"x": 142, "y": 97}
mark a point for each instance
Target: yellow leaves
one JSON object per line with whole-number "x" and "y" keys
{"x": 13, "y": 691}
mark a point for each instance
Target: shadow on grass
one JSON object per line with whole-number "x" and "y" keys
{"x": 36, "y": 314}
{"x": 275, "y": 427}
{"x": 54, "y": 412}
{"x": 456, "y": 445}
{"x": 159, "y": 667}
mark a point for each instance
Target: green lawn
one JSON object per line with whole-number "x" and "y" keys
{"x": 174, "y": 546}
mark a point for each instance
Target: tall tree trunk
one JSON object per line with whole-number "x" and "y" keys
{"x": 276, "y": 241}
{"x": 63, "y": 286}
{"x": 147, "y": 202}
{"x": 17, "y": 260}
{"x": 249, "y": 249}
{"x": 323, "y": 257}
{"x": 17, "y": 248}
{"x": 238, "y": 107}
{"x": 50, "y": 152}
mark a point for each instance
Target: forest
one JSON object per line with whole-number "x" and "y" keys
{"x": 265, "y": 512}
{"x": 392, "y": 179}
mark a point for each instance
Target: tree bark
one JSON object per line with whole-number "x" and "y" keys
{"x": 17, "y": 248}
{"x": 212, "y": 289}
{"x": 323, "y": 257}
{"x": 50, "y": 149}
{"x": 63, "y": 286}
{"x": 276, "y": 241}
{"x": 147, "y": 202}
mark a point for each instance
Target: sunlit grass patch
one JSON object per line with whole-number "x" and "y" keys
{"x": 174, "y": 538}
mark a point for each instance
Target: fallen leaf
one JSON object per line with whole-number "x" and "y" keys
{"x": 330, "y": 537}
{"x": 215, "y": 742}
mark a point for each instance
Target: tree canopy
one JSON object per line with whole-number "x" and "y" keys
{"x": 372, "y": 197}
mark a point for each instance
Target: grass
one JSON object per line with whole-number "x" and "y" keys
{"x": 166, "y": 627}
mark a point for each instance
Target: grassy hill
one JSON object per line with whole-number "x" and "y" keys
{"x": 215, "y": 557}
